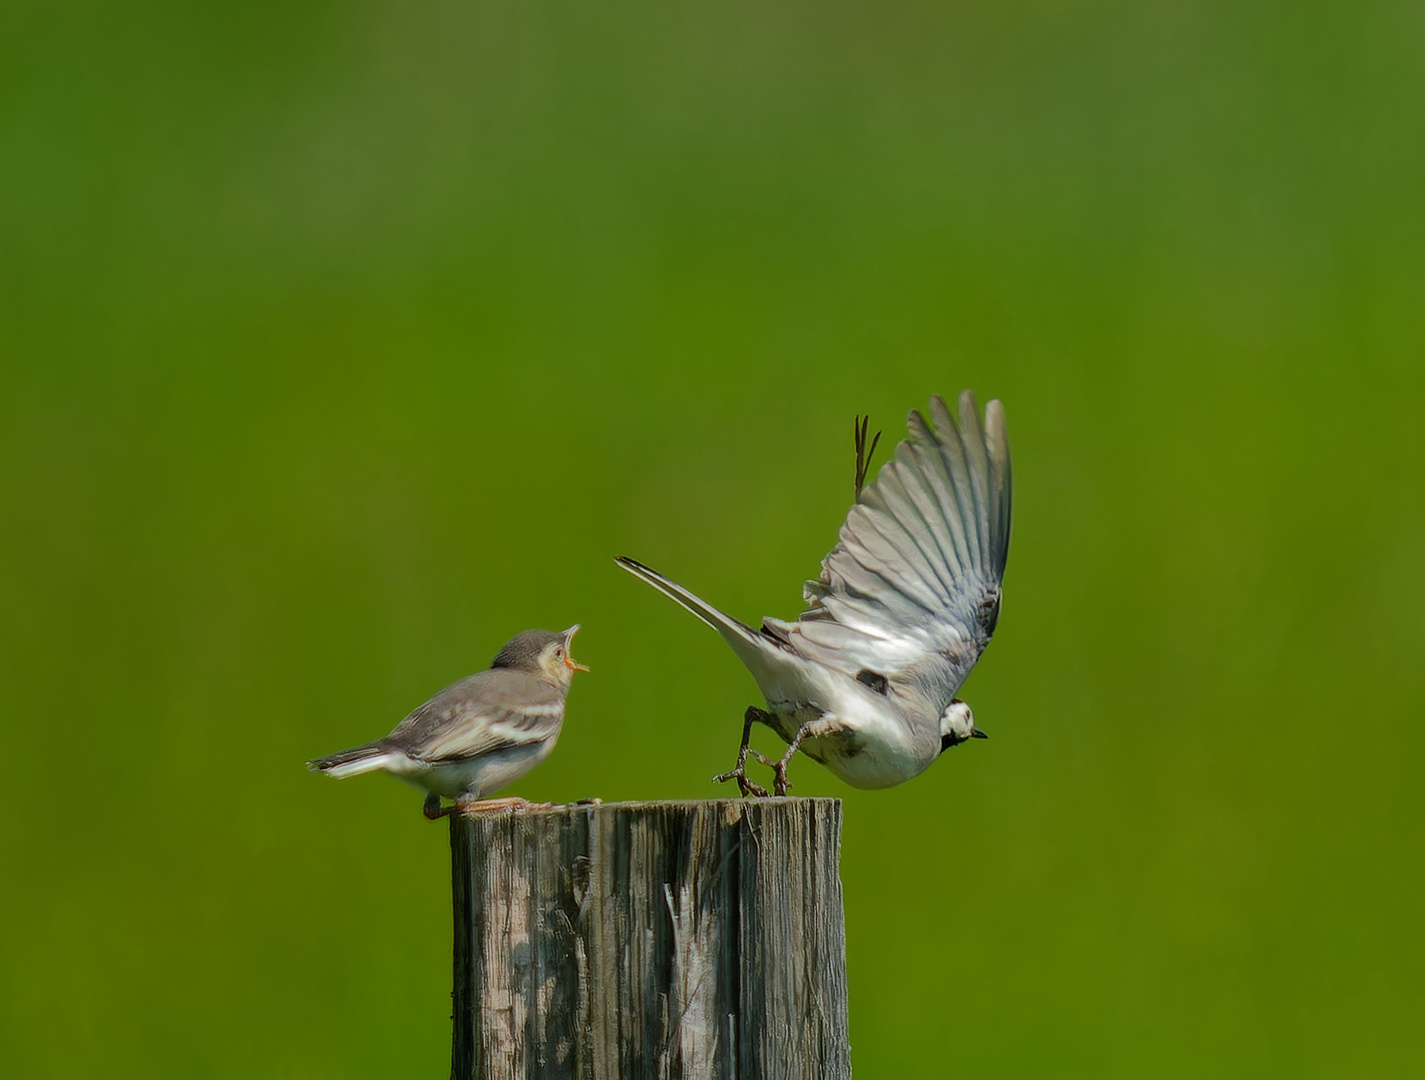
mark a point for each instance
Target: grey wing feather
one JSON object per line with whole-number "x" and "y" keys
{"x": 912, "y": 588}
{"x": 491, "y": 711}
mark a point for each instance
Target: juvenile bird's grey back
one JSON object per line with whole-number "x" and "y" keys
{"x": 501, "y": 707}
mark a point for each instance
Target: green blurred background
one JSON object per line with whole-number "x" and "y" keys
{"x": 340, "y": 342}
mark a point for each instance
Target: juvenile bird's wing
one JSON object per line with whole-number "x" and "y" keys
{"x": 912, "y": 589}
{"x": 494, "y": 710}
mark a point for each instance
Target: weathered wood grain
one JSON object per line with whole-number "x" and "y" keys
{"x": 651, "y": 940}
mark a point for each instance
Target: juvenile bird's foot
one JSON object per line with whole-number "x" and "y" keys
{"x": 471, "y": 806}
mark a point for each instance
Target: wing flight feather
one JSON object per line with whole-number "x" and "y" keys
{"x": 911, "y": 589}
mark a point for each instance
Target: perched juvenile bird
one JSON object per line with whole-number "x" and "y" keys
{"x": 864, "y": 681}
{"x": 484, "y": 732}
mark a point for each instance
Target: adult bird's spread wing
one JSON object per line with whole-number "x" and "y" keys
{"x": 494, "y": 710}
{"x": 911, "y": 591}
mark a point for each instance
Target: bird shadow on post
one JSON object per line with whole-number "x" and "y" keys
{"x": 662, "y": 939}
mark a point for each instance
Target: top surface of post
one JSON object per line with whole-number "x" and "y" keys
{"x": 737, "y": 806}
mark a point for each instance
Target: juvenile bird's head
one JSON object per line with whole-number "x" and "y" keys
{"x": 543, "y": 653}
{"x": 957, "y": 724}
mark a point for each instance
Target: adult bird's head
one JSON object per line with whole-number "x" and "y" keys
{"x": 542, "y": 653}
{"x": 957, "y": 723}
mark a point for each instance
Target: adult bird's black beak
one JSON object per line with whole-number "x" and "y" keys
{"x": 976, "y": 733}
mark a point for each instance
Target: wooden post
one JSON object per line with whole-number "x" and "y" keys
{"x": 664, "y": 939}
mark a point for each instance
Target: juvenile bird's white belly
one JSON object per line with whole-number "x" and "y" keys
{"x": 476, "y": 777}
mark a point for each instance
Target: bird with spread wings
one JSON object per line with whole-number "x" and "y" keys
{"x": 864, "y": 681}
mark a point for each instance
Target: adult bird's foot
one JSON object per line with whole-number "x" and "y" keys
{"x": 811, "y": 729}
{"x": 748, "y": 787}
{"x": 752, "y": 716}
{"x": 781, "y": 784}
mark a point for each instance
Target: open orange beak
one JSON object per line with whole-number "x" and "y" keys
{"x": 568, "y": 641}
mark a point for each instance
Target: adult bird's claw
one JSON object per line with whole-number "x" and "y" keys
{"x": 752, "y": 716}
{"x": 781, "y": 784}
{"x": 747, "y": 786}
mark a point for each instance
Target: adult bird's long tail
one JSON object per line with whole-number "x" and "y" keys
{"x": 744, "y": 640}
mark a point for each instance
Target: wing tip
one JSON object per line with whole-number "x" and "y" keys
{"x": 996, "y": 434}
{"x": 918, "y": 426}
{"x": 968, "y": 407}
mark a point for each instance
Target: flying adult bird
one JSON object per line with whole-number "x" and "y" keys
{"x": 482, "y": 733}
{"x": 865, "y": 680}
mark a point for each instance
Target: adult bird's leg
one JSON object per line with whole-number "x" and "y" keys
{"x": 859, "y": 426}
{"x": 739, "y": 774}
{"x": 812, "y": 729}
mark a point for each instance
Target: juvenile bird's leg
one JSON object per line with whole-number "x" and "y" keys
{"x": 863, "y": 456}
{"x": 739, "y": 774}
{"x": 470, "y": 804}
{"x": 812, "y": 729}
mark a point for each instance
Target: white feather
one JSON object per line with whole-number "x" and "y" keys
{"x": 365, "y": 765}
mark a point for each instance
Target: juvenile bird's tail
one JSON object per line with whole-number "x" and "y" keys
{"x": 353, "y": 762}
